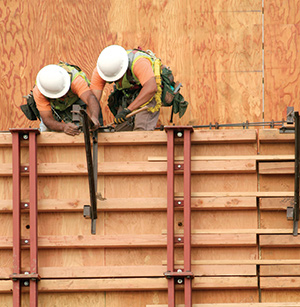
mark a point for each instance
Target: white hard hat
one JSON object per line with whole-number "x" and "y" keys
{"x": 53, "y": 81}
{"x": 112, "y": 63}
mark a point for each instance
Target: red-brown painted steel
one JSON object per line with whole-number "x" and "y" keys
{"x": 16, "y": 218}
{"x": 187, "y": 275}
{"x": 170, "y": 215}
{"x": 17, "y": 276}
{"x": 33, "y": 217}
{"x": 187, "y": 216}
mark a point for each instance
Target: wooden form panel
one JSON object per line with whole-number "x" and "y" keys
{"x": 229, "y": 225}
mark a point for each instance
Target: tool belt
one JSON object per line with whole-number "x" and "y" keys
{"x": 168, "y": 97}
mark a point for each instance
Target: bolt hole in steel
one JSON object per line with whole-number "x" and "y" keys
{"x": 27, "y": 226}
{"x": 179, "y": 224}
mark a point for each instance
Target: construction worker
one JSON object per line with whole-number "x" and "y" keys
{"x": 133, "y": 72}
{"x": 57, "y": 88}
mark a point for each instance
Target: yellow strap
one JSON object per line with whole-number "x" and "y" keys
{"x": 157, "y": 96}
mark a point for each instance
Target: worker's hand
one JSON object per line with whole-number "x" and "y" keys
{"x": 96, "y": 123}
{"x": 71, "y": 129}
{"x": 121, "y": 117}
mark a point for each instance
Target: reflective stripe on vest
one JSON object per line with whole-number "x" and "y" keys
{"x": 133, "y": 56}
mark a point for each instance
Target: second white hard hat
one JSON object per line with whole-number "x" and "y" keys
{"x": 53, "y": 81}
{"x": 112, "y": 63}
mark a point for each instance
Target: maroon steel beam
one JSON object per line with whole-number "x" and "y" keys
{"x": 16, "y": 218}
{"x": 170, "y": 215}
{"x": 33, "y": 217}
{"x": 18, "y": 277}
{"x": 187, "y": 216}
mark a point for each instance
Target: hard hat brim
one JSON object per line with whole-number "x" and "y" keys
{"x": 67, "y": 83}
{"x": 124, "y": 57}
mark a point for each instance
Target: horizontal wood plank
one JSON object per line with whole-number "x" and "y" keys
{"x": 135, "y": 168}
{"x": 138, "y": 137}
{"x": 236, "y": 231}
{"x": 134, "y": 271}
{"x": 133, "y": 284}
{"x": 240, "y": 262}
{"x": 280, "y": 270}
{"x": 276, "y": 168}
{"x": 238, "y": 194}
{"x": 136, "y": 204}
{"x": 276, "y": 204}
{"x": 130, "y": 241}
{"x": 279, "y": 241}
{"x": 274, "y": 136}
{"x": 281, "y": 304}
{"x": 223, "y": 158}
{"x": 280, "y": 283}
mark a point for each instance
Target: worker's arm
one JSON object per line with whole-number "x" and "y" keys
{"x": 93, "y": 106}
{"x": 54, "y": 125}
{"x": 147, "y": 92}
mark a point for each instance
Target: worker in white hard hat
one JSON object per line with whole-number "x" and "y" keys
{"x": 57, "y": 88}
{"x": 133, "y": 74}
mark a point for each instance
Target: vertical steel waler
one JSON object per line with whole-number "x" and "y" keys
{"x": 180, "y": 276}
{"x": 24, "y": 278}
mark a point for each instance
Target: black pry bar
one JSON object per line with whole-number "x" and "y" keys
{"x": 90, "y": 168}
{"x": 296, "y": 188}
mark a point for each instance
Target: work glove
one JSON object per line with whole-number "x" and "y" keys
{"x": 121, "y": 117}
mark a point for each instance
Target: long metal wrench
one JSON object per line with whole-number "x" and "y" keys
{"x": 91, "y": 167}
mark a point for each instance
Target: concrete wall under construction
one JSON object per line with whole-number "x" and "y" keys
{"x": 243, "y": 250}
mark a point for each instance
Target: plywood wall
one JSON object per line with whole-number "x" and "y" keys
{"x": 213, "y": 47}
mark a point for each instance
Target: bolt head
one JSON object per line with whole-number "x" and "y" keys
{"x": 179, "y": 202}
{"x": 179, "y": 166}
{"x": 26, "y": 241}
{"x": 180, "y": 281}
{"x": 25, "y": 205}
{"x": 25, "y": 168}
{"x": 26, "y": 283}
{"x": 179, "y": 239}
{"x": 25, "y": 136}
{"x": 26, "y": 273}
{"x": 179, "y": 134}
{"x": 179, "y": 271}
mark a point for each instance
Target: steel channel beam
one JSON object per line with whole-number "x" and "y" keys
{"x": 170, "y": 215}
{"x": 33, "y": 212}
{"x": 296, "y": 188}
{"x": 16, "y": 217}
{"x": 187, "y": 216}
